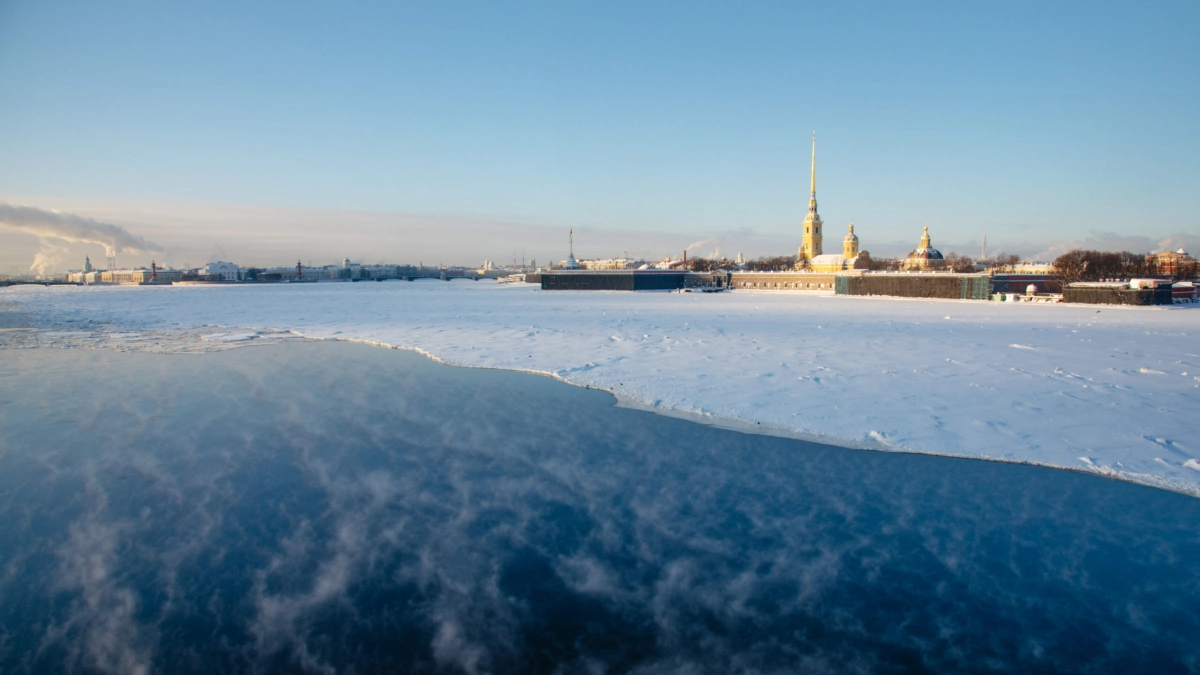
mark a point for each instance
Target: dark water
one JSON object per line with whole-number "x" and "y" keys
{"x": 342, "y": 508}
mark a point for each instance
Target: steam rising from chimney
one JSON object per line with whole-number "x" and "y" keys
{"x": 53, "y": 225}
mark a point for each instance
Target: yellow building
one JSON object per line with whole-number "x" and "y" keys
{"x": 811, "y": 257}
{"x": 811, "y": 244}
{"x": 850, "y": 259}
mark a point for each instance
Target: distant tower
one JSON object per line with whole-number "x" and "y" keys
{"x": 811, "y": 247}
{"x": 345, "y": 263}
{"x": 850, "y": 244}
{"x": 571, "y": 264}
{"x": 984, "y": 256}
{"x": 87, "y": 264}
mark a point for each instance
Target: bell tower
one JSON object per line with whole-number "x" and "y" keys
{"x": 811, "y": 244}
{"x": 850, "y": 245}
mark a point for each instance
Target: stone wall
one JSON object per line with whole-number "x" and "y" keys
{"x": 958, "y": 286}
{"x": 1117, "y": 296}
{"x": 782, "y": 281}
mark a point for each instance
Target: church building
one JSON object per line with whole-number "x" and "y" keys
{"x": 925, "y": 257}
{"x": 811, "y": 257}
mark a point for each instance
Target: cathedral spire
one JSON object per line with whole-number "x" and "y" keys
{"x": 811, "y": 245}
{"x": 813, "y": 187}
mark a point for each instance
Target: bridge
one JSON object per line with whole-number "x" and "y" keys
{"x": 36, "y": 282}
{"x": 409, "y": 273}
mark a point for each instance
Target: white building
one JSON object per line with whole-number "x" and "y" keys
{"x": 225, "y": 271}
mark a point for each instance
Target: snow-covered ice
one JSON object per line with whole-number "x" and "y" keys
{"x": 1104, "y": 389}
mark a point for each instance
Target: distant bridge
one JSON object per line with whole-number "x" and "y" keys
{"x": 413, "y": 273}
{"x": 37, "y": 282}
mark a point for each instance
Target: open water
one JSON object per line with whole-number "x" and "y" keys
{"x": 330, "y": 507}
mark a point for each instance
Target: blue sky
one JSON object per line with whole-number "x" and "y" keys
{"x": 1041, "y": 124}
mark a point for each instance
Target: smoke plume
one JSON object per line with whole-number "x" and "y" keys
{"x": 713, "y": 241}
{"x": 47, "y": 225}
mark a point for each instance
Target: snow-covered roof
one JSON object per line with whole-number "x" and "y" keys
{"x": 827, "y": 259}
{"x": 926, "y": 254}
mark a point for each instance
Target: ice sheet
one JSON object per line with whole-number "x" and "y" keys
{"x": 1109, "y": 390}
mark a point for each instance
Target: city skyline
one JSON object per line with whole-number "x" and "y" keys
{"x": 461, "y": 132}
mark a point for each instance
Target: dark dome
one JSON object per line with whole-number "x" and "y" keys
{"x": 926, "y": 254}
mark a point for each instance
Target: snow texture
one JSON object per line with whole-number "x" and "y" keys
{"x": 1107, "y": 390}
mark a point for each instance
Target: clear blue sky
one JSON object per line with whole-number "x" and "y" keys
{"x": 1034, "y": 122}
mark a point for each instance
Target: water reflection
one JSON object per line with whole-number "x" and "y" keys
{"x": 322, "y": 507}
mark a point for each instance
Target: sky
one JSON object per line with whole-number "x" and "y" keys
{"x": 448, "y": 132}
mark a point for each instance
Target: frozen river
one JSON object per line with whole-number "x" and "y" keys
{"x": 1100, "y": 389}
{"x": 321, "y": 507}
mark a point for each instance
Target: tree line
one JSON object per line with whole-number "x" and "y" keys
{"x": 1081, "y": 265}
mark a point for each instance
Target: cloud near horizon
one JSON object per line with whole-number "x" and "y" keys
{"x": 1111, "y": 241}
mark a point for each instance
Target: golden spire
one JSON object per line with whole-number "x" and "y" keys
{"x": 925, "y": 243}
{"x": 811, "y": 245}
{"x": 813, "y": 188}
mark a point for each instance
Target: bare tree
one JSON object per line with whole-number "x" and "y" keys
{"x": 884, "y": 263}
{"x": 773, "y": 264}
{"x": 959, "y": 263}
{"x": 1081, "y": 265}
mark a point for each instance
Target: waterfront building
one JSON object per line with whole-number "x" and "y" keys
{"x": 925, "y": 257}
{"x": 139, "y": 275}
{"x": 1031, "y": 267}
{"x": 1172, "y": 262}
{"x": 782, "y": 281}
{"x": 81, "y": 276}
{"x": 225, "y": 271}
{"x": 611, "y": 264}
{"x": 132, "y": 276}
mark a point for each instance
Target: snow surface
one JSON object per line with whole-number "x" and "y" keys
{"x": 1109, "y": 390}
